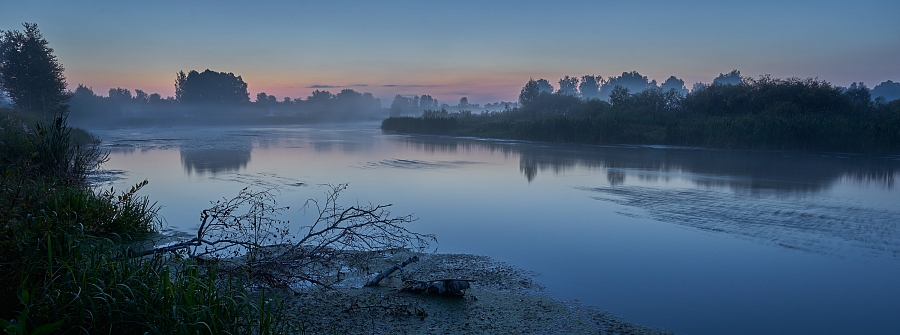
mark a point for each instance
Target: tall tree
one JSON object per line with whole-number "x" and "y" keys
{"x": 119, "y": 94}
{"x": 731, "y": 78}
{"x": 633, "y": 81}
{"x": 30, "y": 73}
{"x": 463, "y": 102}
{"x": 427, "y": 102}
{"x": 399, "y": 104}
{"x": 590, "y": 87}
{"x": 568, "y": 86}
{"x": 888, "y": 91}
{"x": 211, "y": 87}
{"x": 544, "y": 86}
{"x": 674, "y": 84}
{"x": 140, "y": 95}
{"x": 529, "y": 93}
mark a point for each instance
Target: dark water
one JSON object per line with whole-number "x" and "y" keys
{"x": 695, "y": 241}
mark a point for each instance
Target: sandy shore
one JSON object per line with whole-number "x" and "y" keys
{"x": 502, "y": 300}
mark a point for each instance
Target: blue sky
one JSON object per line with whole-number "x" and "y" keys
{"x": 485, "y": 50}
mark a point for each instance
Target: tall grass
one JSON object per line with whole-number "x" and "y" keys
{"x": 65, "y": 266}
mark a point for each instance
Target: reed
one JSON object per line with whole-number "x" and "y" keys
{"x": 65, "y": 263}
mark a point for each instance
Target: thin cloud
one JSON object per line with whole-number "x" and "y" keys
{"x": 411, "y": 86}
{"x": 322, "y": 86}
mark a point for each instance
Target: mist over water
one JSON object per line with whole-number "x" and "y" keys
{"x": 695, "y": 241}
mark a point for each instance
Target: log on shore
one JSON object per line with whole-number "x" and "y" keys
{"x": 445, "y": 287}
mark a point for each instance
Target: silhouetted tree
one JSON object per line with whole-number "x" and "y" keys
{"x": 427, "y": 102}
{"x": 319, "y": 101}
{"x": 633, "y": 81}
{"x": 85, "y": 106}
{"x": 140, "y": 96}
{"x": 210, "y": 87}
{"x": 674, "y": 84}
{"x": 888, "y": 90}
{"x": 697, "y": 87}
{"x": 529, "y": 93}
{"x": 30, "y": 73}
{"x": 590, "y": 87}
{"x": 730, "y": 78}
{"x": 859, "y": 94}
{"x": 568, "y": 86}
{"x": 119, "y": 94}
{"x": 544, "y": 86}
{"x": 463, "y": 102}
{"x": 619, "y": 97}
{"x": 399, "y": 104}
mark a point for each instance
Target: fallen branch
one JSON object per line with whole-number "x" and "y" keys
{"x": 389, "y": 271}
{"x": 245, "y": 230}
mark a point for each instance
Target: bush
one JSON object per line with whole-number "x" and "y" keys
{"x": 65, "y": 262}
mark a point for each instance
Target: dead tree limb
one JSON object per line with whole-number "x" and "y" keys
{"x": 246, "y": 230}
{"x": 389, "y": 271}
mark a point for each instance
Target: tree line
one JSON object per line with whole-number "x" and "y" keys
{"x": 31, "y": 78}
{"x": 220, "y": 95}
{"x": 733, "y": 112}
{"x": 590, "y": 87}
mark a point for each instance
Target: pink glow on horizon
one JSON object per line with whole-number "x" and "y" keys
{"x": 478, "y": 89}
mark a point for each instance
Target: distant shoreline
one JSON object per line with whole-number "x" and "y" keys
{"x": 834, "y": 134}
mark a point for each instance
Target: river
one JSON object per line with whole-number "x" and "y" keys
{"x": 692, "y": 240}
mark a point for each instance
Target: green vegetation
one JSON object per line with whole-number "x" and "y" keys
{"x": 65, "y": 261}
{"x": 764, "y": 113}
{"x": 64, "y": 255}
{"x": 30, "y": 73}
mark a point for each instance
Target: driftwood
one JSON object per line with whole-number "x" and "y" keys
{"x": 447, "y": 287}
{"x": 389, "y": 271}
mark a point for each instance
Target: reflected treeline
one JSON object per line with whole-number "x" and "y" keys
{"x": 739, "y": 170}
{"x": 214, "y": 161}
{"x": 230, "y": 150}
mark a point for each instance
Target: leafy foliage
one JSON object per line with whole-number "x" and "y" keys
{"x": 763, "y": 113}
{"x": 210, "y": 87}
{"x": 31, "y": 74}
{"x": 65, "y": 263}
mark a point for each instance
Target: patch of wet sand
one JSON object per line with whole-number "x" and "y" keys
{"x": 502, "y": 300}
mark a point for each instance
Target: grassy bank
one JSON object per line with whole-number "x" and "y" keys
{"x": 765, "y": 114}
{"x": 64, "y": 257}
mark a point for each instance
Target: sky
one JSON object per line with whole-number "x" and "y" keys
{"x": 483, "y": 50}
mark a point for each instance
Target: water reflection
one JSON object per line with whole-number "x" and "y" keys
{"x": 738, "y": 170}
{"x": 772, "y": 198}
{"x": 214, "y": 161}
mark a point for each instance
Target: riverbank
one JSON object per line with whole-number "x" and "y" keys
{"x": 758, "y": 114}
{"x": 862, "y": 134}
{"x": 502, "y": 300}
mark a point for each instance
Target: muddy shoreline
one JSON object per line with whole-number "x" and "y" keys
{"x": 502, "y": 300}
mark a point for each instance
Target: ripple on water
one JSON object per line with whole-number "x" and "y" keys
{"x": 813, "y": 224}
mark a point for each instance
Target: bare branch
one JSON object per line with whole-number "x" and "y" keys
{"x": 247, "y": 231}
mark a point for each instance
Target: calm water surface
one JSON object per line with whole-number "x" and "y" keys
{"x": 695, "y": 241}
